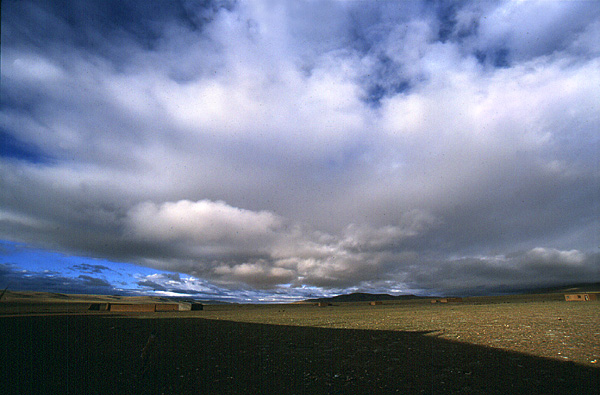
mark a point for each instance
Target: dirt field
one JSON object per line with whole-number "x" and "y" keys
{"x": 536, "y": 347}
{"x": 550, "y": 328}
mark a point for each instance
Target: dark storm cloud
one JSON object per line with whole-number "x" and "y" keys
{"x": 305, "y": 146}
{"x": 102, "y": 26}
{"x": 151, "y": 285}
{"x": 90, "y": 281}
{"x": 50, "y": 281}
{"x": 173, "y": 283}
{"x": 89, "y": 269}
{"x": 11, "y": 147}
{"x": 536, "y": 268}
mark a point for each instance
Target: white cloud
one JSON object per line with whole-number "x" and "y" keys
{"x": 258, "y": 274}
{"x": 259, "y": 148}
{"x": 566, "y": 259}
{"x": 201, "y": 222}
{"x": 534, "y": 28}
{"x": 31, "y": 68}
{"x": 538, "y": 267}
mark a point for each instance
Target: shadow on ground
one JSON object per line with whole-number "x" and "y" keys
{"x": 102, "y": 355}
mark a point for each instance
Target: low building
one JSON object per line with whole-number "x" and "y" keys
{"x": 166, "y": 307}
{"x": 131, "y": 307}
{"x": 376, "y": 303}
{"x": 447, "y": 300}
{"x": 146, "y": 307}
{"x": 583, "y": 297}
{"x": 98, "y": 307}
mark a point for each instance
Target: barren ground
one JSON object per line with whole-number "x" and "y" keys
{"x": 530, "y": 346}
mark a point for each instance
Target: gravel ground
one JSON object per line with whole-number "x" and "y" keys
{"x": 104, "y": 354}
{"x": 549, "y": 329}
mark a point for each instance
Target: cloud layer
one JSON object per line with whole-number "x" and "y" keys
{"x": 280, "y": 145}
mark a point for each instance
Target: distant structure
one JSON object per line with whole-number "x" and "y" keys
{"x": 322, "y": 304}
{"x": 98, "y": 307}
{"x": 190, "y": 306}
{"x": 145, "y": 307}
{"x": 376, "y": 303}
{"x": 131, "y": 307}
{"x": 166, "y": 307}
{"x": 585, "y": 297}
{"x": 447, "y": 300}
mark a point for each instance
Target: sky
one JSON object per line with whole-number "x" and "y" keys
{"x": 278, "y": 150}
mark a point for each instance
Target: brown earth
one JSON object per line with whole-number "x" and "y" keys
{"x": 544, "y": 327}
{"x": 101, "y": 354}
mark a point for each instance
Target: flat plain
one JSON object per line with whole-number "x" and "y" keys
{"x": 503, "y": 345}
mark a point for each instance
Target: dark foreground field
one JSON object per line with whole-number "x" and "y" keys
{"x": 100, "y": 354}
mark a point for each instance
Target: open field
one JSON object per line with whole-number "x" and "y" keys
{"x": 551, "y": 329}
{"x": 483, "y": 346}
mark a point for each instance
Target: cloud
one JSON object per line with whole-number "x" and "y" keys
{"x": 200, "y": 221}
{"x": 256, "y": 273}
{"x": 15, "y": 278}
{"x": 89, "y": 281}
{"x": 537, "y": 267}
{"x": 230, "y": 245}
{"x": 246, "y": 144}
{"x": 90, "y": 269}
{"x": 528, "y": 29}
{"x": 175, "y": 285}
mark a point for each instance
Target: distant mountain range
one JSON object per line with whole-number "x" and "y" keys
{"x": 353, "y": 297}
{"x": 367, "y": 297}
{"x": 582, "y": 287}
{"x": 363, "y": 297}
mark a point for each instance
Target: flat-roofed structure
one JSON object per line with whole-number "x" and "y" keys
{"x": 447, "y": 300}
{"x": 582, "y": 297}
{"x": 166, "y": 307}
{"x": 132, "y": 307}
